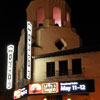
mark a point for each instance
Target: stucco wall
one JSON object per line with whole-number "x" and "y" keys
{"x": 47, "y": 37}
{"x": 90, "y": 65}
{"x": 90, "y": 69}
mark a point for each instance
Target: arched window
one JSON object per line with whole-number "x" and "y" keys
{"x": 68, "y": 17}
{"x": 57, "y": 15}
{"x": 40, "y": 16}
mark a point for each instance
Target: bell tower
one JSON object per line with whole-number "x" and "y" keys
{"x": 52, "y": 31}
{"x": 48, "y": 13}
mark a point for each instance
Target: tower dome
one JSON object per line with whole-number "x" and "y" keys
{"x": 48, "y": 12}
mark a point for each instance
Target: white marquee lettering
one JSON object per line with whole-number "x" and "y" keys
{"x": 10, "y": 51}
{"x": 72, "y": 86}
{"x": 29, "y": 34}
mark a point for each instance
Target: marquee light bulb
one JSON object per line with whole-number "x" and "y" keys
{"x": 45, "y": 99}
{"x": 69, "y": 99}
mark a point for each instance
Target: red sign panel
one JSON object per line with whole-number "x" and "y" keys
{"x": 35, "y": 88}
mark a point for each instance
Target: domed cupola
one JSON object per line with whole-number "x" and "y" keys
{"x": 48, "y": 13}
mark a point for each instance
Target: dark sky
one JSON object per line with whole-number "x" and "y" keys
{"x": 84, "y": 17}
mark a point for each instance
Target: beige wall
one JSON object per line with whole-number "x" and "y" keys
{"x": 20, "y": 62}
{"x": 90, "y": 68}
{"x": 20, "y": 58}
{"x": 47, "y": 37}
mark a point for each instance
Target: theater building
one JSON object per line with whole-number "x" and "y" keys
{"x": 61, "y": 69}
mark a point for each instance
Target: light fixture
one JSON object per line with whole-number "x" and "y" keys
{"x": 45, "y": 99}
{"x": 69, "y": 99}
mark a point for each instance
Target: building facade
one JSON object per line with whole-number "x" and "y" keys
{"x": 61, "y": 68}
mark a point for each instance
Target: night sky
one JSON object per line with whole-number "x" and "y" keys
{"x": 84, "y": 17}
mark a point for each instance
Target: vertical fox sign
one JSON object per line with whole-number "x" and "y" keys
{"x": 28, "y": 51}
{"x": 10, "y": 52}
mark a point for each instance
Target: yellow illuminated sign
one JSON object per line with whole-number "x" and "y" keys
{"x": 50, "y": 87}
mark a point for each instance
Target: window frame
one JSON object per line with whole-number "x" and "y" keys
{"x": 78, "y": 66}
{"x": 50, "y": 69}
{"x": 64, "y": 69}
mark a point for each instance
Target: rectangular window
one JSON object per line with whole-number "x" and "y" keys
{"x": 50, "y": 69}
{"x": 76, "y": 66}
{"x": 63, "y": 67}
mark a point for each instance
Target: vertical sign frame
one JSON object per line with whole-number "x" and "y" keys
{"x": 10, "y": 54}
{"x": 28, "y": 40}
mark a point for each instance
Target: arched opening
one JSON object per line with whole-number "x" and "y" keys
{"x": 57, "y": 16}
{"x": 67, "y": 17}
{"x": 40, "y": 17}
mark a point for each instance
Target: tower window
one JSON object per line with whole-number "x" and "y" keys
{"x": 50, "y": 69}
{"x": 68, "y": 17}
{"x": 57, "y": 16}
{"x": 40, "y": 17}
{"x": 63, "y": 67}
{"x": 76, "y": 66}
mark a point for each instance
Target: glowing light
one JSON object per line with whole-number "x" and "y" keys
{"x": 69, "y": 99}
{"x": 40, "y": 16}
{"x": 57, "y": 16}
{"x": 68, "y": 17}
{"x": 45, "y": 99}
{"x": 10, "y": 51}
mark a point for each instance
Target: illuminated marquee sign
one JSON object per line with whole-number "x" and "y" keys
{"x": 50, "y": 87}
{"x": 17, "y": 94}
{"x": 24, "y": 92}
{"x": 20, "y": 93}
{"x": 10, "y": 52}
{"x": 35, "y": 88}
{"x": 28, "y": 50}
{"x": 77, "y": 86}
